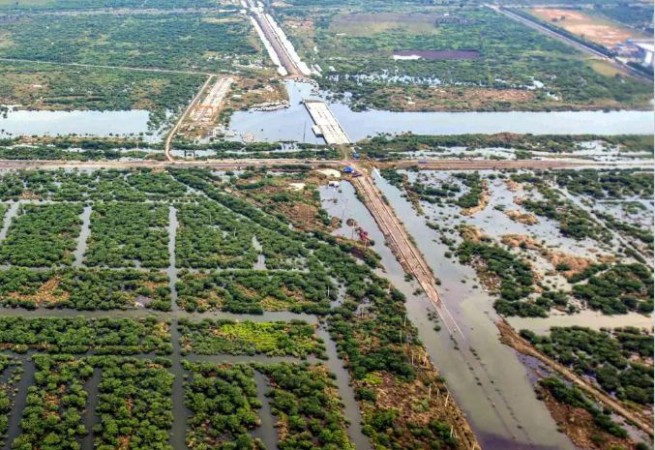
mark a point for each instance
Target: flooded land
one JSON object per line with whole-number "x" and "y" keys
{"x": 336, "y": 224}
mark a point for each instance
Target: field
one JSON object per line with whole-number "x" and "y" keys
{"x": 94, "y": 332}
{"x": 587, "y": 26}
{"x": 564, "y": 256}
{"x": 147, "y": 59}
{"x": 517, "y": 68}
{"x": 51, "y": 87}
{"x": 189, "y": 41}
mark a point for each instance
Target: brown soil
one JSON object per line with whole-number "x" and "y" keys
{"x": 589, "y": 27}
{"x": 576, "y": 264}
{"x": 512, "y": 185}
{"x": 482, "y": 202}
{"x": 510, "y": 337}
{"x": 521, "y": 217}
{"x": 515, "y": 240}
{"x": 578, "y": 425}
{"x": 420, "y": 401}
{"x": 253, "y": 92}
{"x": 45, "y": 295}
{"x": 472, "y": 233}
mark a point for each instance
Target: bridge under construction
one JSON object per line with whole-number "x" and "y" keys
{"x": 325, "y": 124}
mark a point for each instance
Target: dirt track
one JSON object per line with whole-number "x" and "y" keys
{"x": 171, "y": 134}
{"x": 487, "y": 164}
{"x": 510, "y": 337}
{"x": 413, "y": 262}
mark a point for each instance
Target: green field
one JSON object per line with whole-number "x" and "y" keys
{"x": 517, "y": 67}
{"x": 171, "y": 41}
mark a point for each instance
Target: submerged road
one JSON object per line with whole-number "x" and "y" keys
{"x": 413, "y": 262}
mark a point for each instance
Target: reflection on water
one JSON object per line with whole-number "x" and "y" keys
{"x": 92, "y": 123}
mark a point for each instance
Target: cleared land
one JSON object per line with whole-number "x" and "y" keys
{"x": 587, "y": 26}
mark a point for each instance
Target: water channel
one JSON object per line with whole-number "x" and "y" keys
{"x": 293, "y": 123}
{"x": 82, "y": 123}
{"x": 489, "y": 382}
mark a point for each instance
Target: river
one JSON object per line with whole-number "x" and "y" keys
{"x": 294, "y": 123}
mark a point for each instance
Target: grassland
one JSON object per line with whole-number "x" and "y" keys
{"x": 517, "y": 67}
{"x": 236, "y": 338}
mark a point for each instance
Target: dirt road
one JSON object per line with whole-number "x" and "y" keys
{"x": 232, "y": 164}
{"x": 171, "y": 134}
{"x": 402, "y": 246}
{"x": 510, "y": 337}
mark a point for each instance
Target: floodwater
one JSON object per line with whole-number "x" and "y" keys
{"x": 289, "y": 124}
{"x": 266, "y": 430}
{"x": 359, "y": 125}
{"x": 586, "y": 318}
{"x": 491, "y": 385}
{"x": 82, "y": 123}
{"x": 20, "y": 401}
{"x": 294, "y": 123}
{"x": 83, "y": 237}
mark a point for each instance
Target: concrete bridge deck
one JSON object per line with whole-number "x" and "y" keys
{"x": 326, "y": 125}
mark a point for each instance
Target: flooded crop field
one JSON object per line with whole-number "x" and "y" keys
{"x": 499, "y": 248}
{"x": 334, "y": 224}
{"x": 145, "y": 306}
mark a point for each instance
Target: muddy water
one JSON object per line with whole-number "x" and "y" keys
{"x": 20, "y": 400}
{"x": 261, "y": 258}
{"x": 493, "y": 387}
{"x": 90, "y": 417}
{"x": 9, "y": 215}
{"x": 172, "y": 269}
{"x": 180, "y": 411}
{"x": 266, "y": 431}
{"x": 294, "y": 124}
{"x": 586, "y": 318}
{"x": 346, "y": 392}
{"x": 84, "y": 236}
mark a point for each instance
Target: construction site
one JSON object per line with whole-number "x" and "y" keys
{"x": 326, "y": 124}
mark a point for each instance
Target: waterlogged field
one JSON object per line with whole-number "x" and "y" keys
{"x": 564, "y": 256}
{"x": 374, "y": 54}
{"x": 180, "y": 308}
